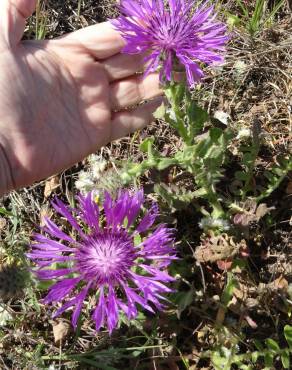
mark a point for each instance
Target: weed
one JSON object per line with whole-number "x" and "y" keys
{"x": 258, "y": 18}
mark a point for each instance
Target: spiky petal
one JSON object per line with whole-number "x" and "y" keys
{"x": 172, "y": 34}
{"x": 104, "y": 259}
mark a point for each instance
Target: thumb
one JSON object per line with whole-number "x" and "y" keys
{"x": 13, "y": 15}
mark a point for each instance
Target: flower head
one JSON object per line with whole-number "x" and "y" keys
{"x": 172, "y": 34}
{"x": 105, "y": 259}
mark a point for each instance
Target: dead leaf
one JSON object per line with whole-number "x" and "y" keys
{"x": 262, "y": 210}
{"x": 61, "y": 331}
{"x": 257, "y": 108}
{"x": 251, "y": 302}
{"x": 3, "y": 223}
{"x": 239, "y": 293}
{"x": 279, "y": 284}
{"x": 51, "y": 184}
{"x": 251, "y": 214}
{"x": 215, "y": 248}
{"x": 45, "y": 212}
{"x": 220, "y": 317}
{"x": 224, "y": 265}
{"x": 83, "y": 21}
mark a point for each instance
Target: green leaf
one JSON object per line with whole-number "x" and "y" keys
{"x": 245, "y": 367}
{"x": 247, "y": 158}
{"x": 215, "y": 133}
{"x": 285, "y": 358}
{"x": 183, "y": 300}
{"x": 215, "y": 153}
{"x": 160, "y": 112}
{"x": 197, "y": 117}
{"x": 255, "y": 356}
{"x": 269, "y": 175}
{"x": 272, "y": 345}
{"x": 4, "y": 212}
{"x": 269, "y": 360}
{"x": 242, "y": 176}
{"x": 288, "y": 335}
{"x": 178, "y": 90}
{"x": 177, "y": 198}
{"x": 258, "y": 345}
{"x": 200, "y": 192}
{"x": 228, "y": 290}
{"x": 203, "y": 146}
{"x": 144, "y": 146}
{"x": 175, "y": 93}
{"x": 278, "y": 171}
{"x": 165, "y": 162}
{"x": 220, "y": 361}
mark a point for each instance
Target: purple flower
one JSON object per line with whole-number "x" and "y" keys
{"x": 112, "y": 256}
{"x": 172, "y": 35}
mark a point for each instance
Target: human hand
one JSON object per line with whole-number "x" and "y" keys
{"x": 62, "y": 99}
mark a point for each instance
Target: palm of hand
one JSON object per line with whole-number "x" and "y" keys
{"x": 58, "y": 100}
{"x": 56, "y": 108}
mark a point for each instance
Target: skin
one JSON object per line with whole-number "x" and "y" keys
{"x": 62, "y": 99}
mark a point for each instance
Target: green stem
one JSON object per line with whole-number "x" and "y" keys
{"x": 175, "y": 93}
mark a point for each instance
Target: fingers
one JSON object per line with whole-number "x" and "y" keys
{"x": 100, "y": 40}
{"x": 133, "y": 90}
{"x": 105, "y": 44}
{"x": 123, "y": 65}
{"x": 13, "y": 15}
{"x": 24, "y": 7}
{"x": 126, "y": 122}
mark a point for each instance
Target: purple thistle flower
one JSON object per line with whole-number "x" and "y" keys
{"x": 172, "y": 35}
{"x": 104, "y": 259}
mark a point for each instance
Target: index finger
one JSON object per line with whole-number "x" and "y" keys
{"x": 101, "y": 40}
